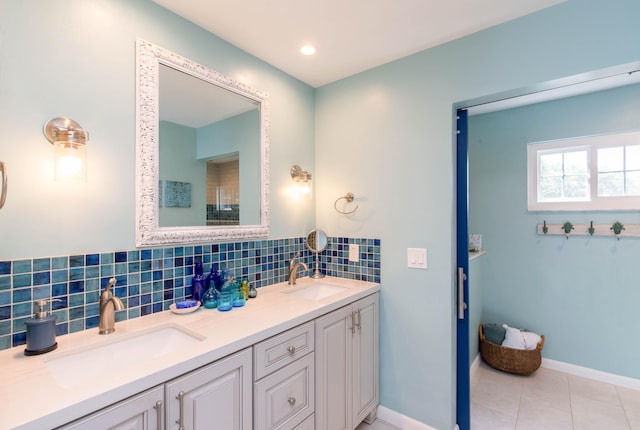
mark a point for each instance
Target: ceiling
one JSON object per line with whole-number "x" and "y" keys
{"x": 196, "y": 103}
{"x": 350, "y": 35}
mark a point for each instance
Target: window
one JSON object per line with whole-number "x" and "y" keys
{"x": 585, "y": 173}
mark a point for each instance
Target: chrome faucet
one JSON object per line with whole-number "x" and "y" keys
{"x": 293, "y": 269}
{"x": 109, "y": 304}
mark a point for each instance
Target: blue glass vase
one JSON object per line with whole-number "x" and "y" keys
{"x": 197, "y": 283}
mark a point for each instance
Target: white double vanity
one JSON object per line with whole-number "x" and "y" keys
{"x": 296, "y": 357}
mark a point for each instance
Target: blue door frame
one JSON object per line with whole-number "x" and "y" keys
{"x": 463, "y": 390}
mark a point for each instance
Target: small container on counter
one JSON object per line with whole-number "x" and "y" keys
{"x": 225, "y": 300}
{"x": 239, "y": 296}
{"x": 210, "y": 298}
{"x": 41, "y": 331}
{"x": 253, "y": 292}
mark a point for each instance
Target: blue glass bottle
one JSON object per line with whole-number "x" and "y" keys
{"x": 197, "y": 283}
{"x": 239, "y": 297}
{"x": 225, "y": 298}
{"x": 210, "y": 298}
{"x": 214, "y": 278}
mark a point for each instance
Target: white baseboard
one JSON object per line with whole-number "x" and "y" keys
{"x": 474, "y": 366}
{"x": 401, "y": 421}
{"x": 597, "y": 375}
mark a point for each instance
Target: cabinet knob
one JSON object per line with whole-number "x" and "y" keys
{"x": 291, "y": 400}
{"x": 291, "y": 349}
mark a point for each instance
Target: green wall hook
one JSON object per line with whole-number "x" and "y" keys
{"x": 591, "y": 229}
{"x": 567, "y": 227}
{"x": 545, "y": 229}
{"x": 617, "y": 228}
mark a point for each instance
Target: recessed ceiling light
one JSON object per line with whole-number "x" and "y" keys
{"x": 308, "y": 50}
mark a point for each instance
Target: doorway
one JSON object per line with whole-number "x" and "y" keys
{"x": 562, "y": 88}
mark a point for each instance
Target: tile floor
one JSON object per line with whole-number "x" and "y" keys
{"x": 546, "y": 400}
{"x": 550, "y": 400}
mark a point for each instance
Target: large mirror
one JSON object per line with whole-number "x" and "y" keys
{"x": 202, "y": 168}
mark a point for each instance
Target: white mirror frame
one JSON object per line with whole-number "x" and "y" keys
{"x": 148, "y": 233}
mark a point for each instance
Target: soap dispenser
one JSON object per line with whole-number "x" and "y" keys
{"x": 41, "y": 331}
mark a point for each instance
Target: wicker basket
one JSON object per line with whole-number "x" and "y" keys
{"x": 518, "y": 361}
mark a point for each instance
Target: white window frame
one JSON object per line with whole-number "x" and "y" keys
{"x": 591, "y": 144}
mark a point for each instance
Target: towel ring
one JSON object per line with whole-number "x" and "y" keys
{"x": 3, "y": 193}
{"x": 348, "y": 198}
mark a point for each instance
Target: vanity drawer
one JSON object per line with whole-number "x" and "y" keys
{"x": 285, "y": 398}
{"x": 281, "y": 350}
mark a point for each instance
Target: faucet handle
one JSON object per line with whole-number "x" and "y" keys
{"x": 106, "y": 293}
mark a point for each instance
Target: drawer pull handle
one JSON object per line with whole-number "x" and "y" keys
{"x": 353, "y": 322}
{"x": 159, "y": 407}
{"x": 180, "y": 398}
{"x": 291, "y": 349}
{"x": 291, "y": 400}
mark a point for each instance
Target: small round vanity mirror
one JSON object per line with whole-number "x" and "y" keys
{"x": 317, "y": 242}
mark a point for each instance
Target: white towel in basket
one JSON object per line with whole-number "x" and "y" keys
{"x": 520, "y": 339}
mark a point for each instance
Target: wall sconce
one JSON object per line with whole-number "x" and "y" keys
{"x": 303, "y": 181}
{"x": 69, "y": 141}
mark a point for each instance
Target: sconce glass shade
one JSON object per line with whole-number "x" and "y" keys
{"x": 69, "y": 141}
{"x": 303, "y": 182}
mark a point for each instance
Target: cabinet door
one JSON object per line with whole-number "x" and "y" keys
{"x": 141, "y": 412}
{"x": 215, "y": 396}
{"x": 366, "y": 392}
{"x": 333, "y": 370}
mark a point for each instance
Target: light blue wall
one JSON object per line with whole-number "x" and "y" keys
{"x": 178, "y": 162}
{"x": 387, "y": 136}
{"x": 582, "y": 293}
{"x": 76, "y": 58}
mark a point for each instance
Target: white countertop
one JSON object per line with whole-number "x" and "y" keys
{"x": 31, "y": 397}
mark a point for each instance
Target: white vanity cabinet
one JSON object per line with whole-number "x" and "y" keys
{"x": 144, "y": 411}
{"x": 284, "y": 387}
{"x": 215, "y": 396}
{"x": 347, "y": 390}
{"x": 321, "y": 374}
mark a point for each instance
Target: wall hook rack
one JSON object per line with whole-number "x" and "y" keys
{"x": 617, "y": 230}
{"x": 349, "y": 199}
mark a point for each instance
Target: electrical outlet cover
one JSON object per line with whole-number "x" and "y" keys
{"x": 354, "y": 253}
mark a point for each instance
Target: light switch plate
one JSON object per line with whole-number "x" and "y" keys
{"x": 354, "y": 252}
{"x": 417, "y": 258}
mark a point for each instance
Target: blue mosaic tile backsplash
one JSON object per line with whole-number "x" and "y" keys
{"x": 149, "y": 280}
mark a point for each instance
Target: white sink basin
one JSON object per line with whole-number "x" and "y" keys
{"x": 316, "y": 291}
{"x": 79, "y": 365}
